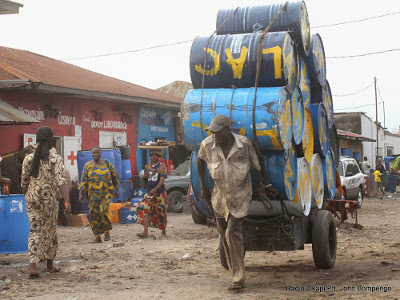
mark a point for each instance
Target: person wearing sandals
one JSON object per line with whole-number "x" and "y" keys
{"x": 229, "y": 158}
{"x": 100, "y": 182}
{"x": 42, "y": 176}
{"x": 152, "y": 210}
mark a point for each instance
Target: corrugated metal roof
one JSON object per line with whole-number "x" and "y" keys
{"x": 9, "y": 115}
{"x": 176, "y": 89}
{"x": 353, "y": 136}
{"x": 21, "y": 64}
{"x": 9, "y": 7}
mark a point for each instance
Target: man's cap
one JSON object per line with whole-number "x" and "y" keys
{"x": 219, "y": 122}
{"x": 156, "y": 151}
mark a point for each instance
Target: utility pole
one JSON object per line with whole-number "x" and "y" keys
{"x": 377, "y": 128}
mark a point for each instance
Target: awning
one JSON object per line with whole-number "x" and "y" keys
{"x": 346, "y": 135}
{"x": 9, "y": 7}
{"x": 9, "y": 115}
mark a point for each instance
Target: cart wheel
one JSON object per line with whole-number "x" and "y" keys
{"x": 324, "y": 241}
{"x": 221, "y": 250}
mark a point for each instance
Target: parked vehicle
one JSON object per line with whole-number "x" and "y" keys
{"x": 176, "y": 185}
{"x": 352, "y": 179}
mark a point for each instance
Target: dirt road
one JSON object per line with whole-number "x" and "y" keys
{"x": 185, "y": 265}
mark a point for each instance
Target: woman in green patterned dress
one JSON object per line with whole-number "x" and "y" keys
{"x": 99, "y": 180}
{"x": 42, "y": 176}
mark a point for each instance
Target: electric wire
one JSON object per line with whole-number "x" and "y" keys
{"x": 188, "y": 41}
{"x": 351, "y": 94}
{"x": 349, "y": 108}
{"x": 356, "y": 21}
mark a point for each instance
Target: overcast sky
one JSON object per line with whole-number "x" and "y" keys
{"x": 70, "y": 29}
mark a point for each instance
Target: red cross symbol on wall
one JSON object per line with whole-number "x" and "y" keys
{"x": 72, "y": 157}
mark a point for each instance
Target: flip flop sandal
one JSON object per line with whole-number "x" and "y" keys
{"x": 142, "y": 235}
{"x": 56, "y": 269}
{"x": 34, "y": 276}
{"x": 236, "y": 286}
{"x": 96, "y": 241}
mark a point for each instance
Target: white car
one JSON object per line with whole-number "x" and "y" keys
{"x": 352, "y": 179}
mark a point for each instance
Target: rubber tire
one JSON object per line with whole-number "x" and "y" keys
{"x": 125, "y": 152}
{"x": 324, "y": 240}
{"x": 221, "y": 252}
{"x": 175, "y": 201}
{"x": 360, "y": 193}
{"x": 198, "y": 219}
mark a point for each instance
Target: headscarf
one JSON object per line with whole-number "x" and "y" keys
{"x": 44, "y": 136}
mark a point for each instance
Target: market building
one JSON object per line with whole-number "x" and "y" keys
{"x": 84, "y": 108}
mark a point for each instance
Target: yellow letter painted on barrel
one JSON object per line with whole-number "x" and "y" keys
{"x": 201, "y": 125}
{"x": 237, "y": 63}
{"x": 277, "y": 52}
{"x": 214, "y": 70}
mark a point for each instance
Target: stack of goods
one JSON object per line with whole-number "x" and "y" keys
{"x": 273, "y": 86}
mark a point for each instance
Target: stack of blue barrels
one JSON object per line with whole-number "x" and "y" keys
{"x": 288, "y": 113}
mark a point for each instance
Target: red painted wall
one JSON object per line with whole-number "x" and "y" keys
{"x": 71, "y": 112}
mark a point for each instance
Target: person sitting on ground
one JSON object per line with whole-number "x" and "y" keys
{"x": 152, "y": 210}
{"x": 378, "y": 182}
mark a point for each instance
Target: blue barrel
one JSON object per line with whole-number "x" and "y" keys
{"x": 249, "y": 19}
{"x": 304, "y": 83}
{"x": 135, "y": 201}
{"x": 390, "y": 182}
{"x": 194, "y": 176}
{"x": 306, "y": 147}
{"x": 139, "y": 192}
{"x": 127, "y": 190}
{"x": 315, "y": 61}
{"x": 328, "y": 166}
{"x": 281, "y": 168}
{"x": 77, "y": 206}
{"x": 83, "y": 157}
{"x": 322, "y": 94}
{"x": 272, "y": 115}
{"x": 297, "y": 115}
{"x": 347, "y": 152}
{"x": 232, "y": 60}
{"x": 120, "y": 198}
{"x": 14, "y": 224}
{"x": 320, "y": 129}
{"x": 118, "y": 162}
{"x": 303, "y": 193}
{"x": 334, "y": 144}
{"x": 317, "y": 175}
{"x": 109, "y": 155}
{"x": 126, "y": 169}
{"x": 357, "y": 156}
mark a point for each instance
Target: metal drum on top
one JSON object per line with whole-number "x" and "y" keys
{"x": 322, "y": 94}
{"x": 256, "y": 18}
{"x": 328, "y": 166}
{"x": 303, "y": 187}
{"x": 317, "y": 180}
{"x": 316, "y": 64}
{"x": 272, "y": 115}
{"x": 320, "y": 129}
{"x": 281, "y": 168}
{"x": 306, "y": 147}
{"x": 334, "y": 144}
{"x": 232, "y": 60}
{"x": 304, "y": 83}
{"x": 297, "y": 115}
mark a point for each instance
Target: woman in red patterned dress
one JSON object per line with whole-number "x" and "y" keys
{"x": 152, "y": 210}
